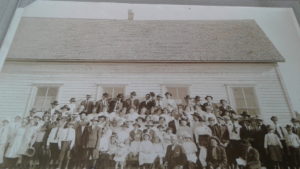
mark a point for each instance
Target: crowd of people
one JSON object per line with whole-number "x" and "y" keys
{"x": 153, "y": 133}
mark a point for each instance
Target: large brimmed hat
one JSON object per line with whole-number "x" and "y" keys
{"x": 206, "y": 97}
{"x": 30, "y": 152}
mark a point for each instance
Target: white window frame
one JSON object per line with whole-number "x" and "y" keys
{"x": 33, "y": 93}
{"x": 165, "y": 86}
{"x": 100, "y": 90}
{"x": 232, "y": 99}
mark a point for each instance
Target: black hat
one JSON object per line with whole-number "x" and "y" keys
{"x": 152, "y": 94}
{"x": 197, "y": 98}
{"x": 99, "y": 117}
{"x": 73, "y": 99}
{"x": 65, "y": 107}
{"x": 187, "y": 97}
{"x": 245, "y": 114}
{"x": 120, "y": 95}
{"x": 133, "y": 93}
{"x": 55, "y": 102}
{"x": 105, "y": 94}
{"x": 159, "y": 95}
{"x": 168, "y": 93}
{"x": 206, "y": 97}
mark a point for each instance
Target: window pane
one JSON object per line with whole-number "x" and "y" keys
{"x": 43, "y": 98}
{"x": 250, "y": 97}
{"x": 238, "y": 97}
{"x": 53, "y": 91}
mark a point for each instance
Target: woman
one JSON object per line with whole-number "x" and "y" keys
{"x": 190, "y": 150}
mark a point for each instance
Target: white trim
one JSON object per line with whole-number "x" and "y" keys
{"x": 10, "y": 35}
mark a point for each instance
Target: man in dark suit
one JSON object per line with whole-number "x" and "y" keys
{"x": 87, "y": 105}
{"x": 102, "y": 105}
{"x": 117, "y": 104}
{"x": 175, "y": 157}
{"x": 214, "y": 127}
{"x": 260, "y": 130}
{"x": 93, "y": 136}
{"x": 81, "y": 137}
{"x": 148, "y": 103}
{"x": 209, "y": 102}
{"x": 132, "y": 101}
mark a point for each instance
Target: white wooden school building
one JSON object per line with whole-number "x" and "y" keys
{"x": 59, "y": 58}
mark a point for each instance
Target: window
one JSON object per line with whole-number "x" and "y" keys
{"x": 113, "y": 91}
{"x": 178, "y": 93}
{"x": 44, "y": 97}
{"x": 245, "y": 100}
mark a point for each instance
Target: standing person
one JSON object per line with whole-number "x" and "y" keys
{"x": 273, "y": 148}
{"x": 175, "y": 156}
{"x": 54, "y": 108}
{"x": 214, "y": 127}
{"x": 102, "y": 105}
{"x": 202, "y": 132}
{"x": 93, "y": 135}
{"x": 280, "y": 132}
{"x": 148, "y": 103}
{"x": 295, "y": 126}
{"x": 159, "y": 153}
{"x": 198, "y": 103}
{"x": 81, "y": 138}
{"x": 87, "y": 105}
{"x": 132, "y": 101}
{"x": 293, "y": 146}
{"x": 225, "y": 107}
{"x": 170, "y": 103}
{"x": 146, "y": 152}
{"x": 260, "y": 130}
{"x": 4, "y": 134}
{"x": 72, "y": 105}
{"x": 52, "y": 143}
{"x": 66, "y": 141}
{"x": 104, "y": 147}
{"x": 159, "y": 103}
{"x": 232, "y": 149}
{"x": 117, "y": 104}
{"x": 210, "y": 103}
{"x": 189, "y": 105}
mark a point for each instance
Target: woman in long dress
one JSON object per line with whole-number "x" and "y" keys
{"x": 12, "y": 152}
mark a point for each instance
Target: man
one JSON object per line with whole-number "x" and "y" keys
{"x": 214, "y": 127}
{"x": 94, "y": 133}
{"x": 169, "y": 102}
{"x": 189, "y": 105}
{"x": 54, "y": 108}
{"x": 117, "y": 104}
{"x": 66, "y": 141}
{"x": 295, "y": 126}
{"x": 175, "y": 156}
{"x": 210, "y": 103}
{"x": 72, "y": 105}
{"x": 216, "y": 155}
{"x": 293, "y": 147}
{"x": 225, "y": 107}
{"x": 159, "y": 104}
{"x": 250, "y": 155}
{"x": 132, "y": 102}
{"x": 102, "y": 105}
{"x": 87, "y": 105}
{"x": 148, "y": 103}
{"x": 280, "y": 132}
{"x": 81, "y": 138}
{"x": 174, "y": 124}
{"x": 136, "y": 132}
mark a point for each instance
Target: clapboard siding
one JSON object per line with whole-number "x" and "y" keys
{"x": 17, "y": 79}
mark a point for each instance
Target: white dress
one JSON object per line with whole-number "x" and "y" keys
{"x": 190, "y": 150}
{"x": 147, "y": 153}
{"x": 15, "y": 144}
{"x": 121, "y": 154}
{"x": 4, "y": 133}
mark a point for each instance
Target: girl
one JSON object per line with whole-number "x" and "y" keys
{"x": 159, "y": 153}
{"x": 146, "y": 154}
{"x": 121, "y": 154}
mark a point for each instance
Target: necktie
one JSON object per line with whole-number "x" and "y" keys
{"x": 56, "y": 134}
{"x": 67, "y": 135}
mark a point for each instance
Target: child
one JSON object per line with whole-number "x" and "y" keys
{"x": 273, "y": 147}
{"x": 159, "y": 153}
{"x": 121, "y": 154}
{"x": 293, "y": 145}
{"x": 146, "y": 154}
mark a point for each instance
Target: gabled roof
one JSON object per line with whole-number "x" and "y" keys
{"x": 53, "y": 39}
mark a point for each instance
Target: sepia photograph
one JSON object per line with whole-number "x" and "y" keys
{"x": 149, "y": 84}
